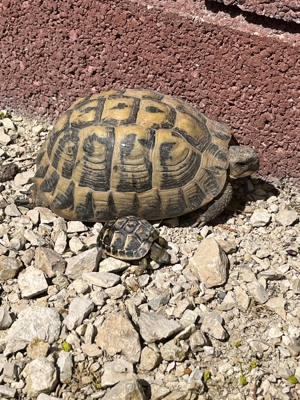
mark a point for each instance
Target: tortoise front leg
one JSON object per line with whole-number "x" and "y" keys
{"x": 216, "y": 208}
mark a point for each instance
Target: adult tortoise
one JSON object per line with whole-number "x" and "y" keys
{"x": 137, "y": 152}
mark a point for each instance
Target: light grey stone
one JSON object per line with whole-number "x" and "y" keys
{"x": 32, "y": 282}
{"x": 83, "y": 262}
{"x": 9, "y": 268}
{"x": 126, "y": 389}
{"x": 158, "y": 392}
{"x": 46, "y": 215}
{"x": 76, "y": 245}
{"x": 33, "y": 322}
{"x": 7, "y": 392}
{"x": 115, "y": 292}
{"x": 49, "y": 261}
{"x": 277, "y": 304}
{"x": 117, "y": 335}
{"x": 65, "y": 366}
{"x": 111, "y": 264}
{"x": 5, "y": 318}
{"x": 195, "y": 381}
{"x": 174, "y": 350}
{"x": 116, "y": 371}
{"x": 40, "y": 376}
{"x": 4, "y": 138}
{"x": 76, "y": 227}
{"x": 212, "y": 324}
{"x": 79, "y": 309}
{"x": 34, "y": 238}
{"x": 287, "y": 217}
{"x": 154, "y": 327}
{"x": 159, "y": 300}
{"x": 23, "y": 178}
{"x": 102, "y": 279}
{"x": 242, "y": 298}
{"x": 150, "y": 359}
{"x": 197, "y": 341}
{"x": 8, "y": 124}
{"x": 260, "y": 218}
{"x": 60, "y": 242}
{"x": 258, "y": 345}
{"x": 12, "y": 210}
{"x": 210, "y": 263}
{"x": 257, "y": 290}
{"x": 295, "y": 283}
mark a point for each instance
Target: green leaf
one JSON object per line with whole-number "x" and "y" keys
{"x": 206, "y": 376}
{"x": 292, "y": 379}
{"x": 66, "y": 346}
{"x": 243, "y": 380}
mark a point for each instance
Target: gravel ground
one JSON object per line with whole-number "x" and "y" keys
{"x": 221, "y": 321}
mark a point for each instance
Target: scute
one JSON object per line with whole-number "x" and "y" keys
{"x": 131, "y": 152}
{"x": 128, "y": 238}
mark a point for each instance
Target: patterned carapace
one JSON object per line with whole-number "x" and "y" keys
{"x": 131, "y": 152}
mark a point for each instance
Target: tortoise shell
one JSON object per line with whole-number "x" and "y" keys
{"x": 131, "y": 152}
{"x": 127, "y": 238}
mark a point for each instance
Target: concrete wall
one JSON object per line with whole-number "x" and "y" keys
{"x": 236, "y": 69}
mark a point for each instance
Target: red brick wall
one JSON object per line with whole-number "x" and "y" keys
{"x": 232, "y": 68}
{"x": 287, "y": 10}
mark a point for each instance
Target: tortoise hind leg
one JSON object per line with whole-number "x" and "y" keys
{"x": 216, "y": 208}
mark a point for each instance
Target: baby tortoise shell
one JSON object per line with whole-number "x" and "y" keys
{"x": 132, "y": 238}
{"x": 131, "y": 152}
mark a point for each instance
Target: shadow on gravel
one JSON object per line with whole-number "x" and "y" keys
{"x": 244, "y": 191}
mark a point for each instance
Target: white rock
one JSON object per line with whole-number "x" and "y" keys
{"x": 4, "y": 138}
{"x": 111, "y": 264}
{"x": 7, "y": 392}
{"x": 46, "y": 215}
{"x": 12, "y": 210}
{"x": 242, "y": 298}
{"x": 117, "y": 335}
{"x": 150, "y": 359}
{"x": 65, "y": 365}
{"x": 287, "y": 217}
{"x": 32, "y": 282}
{"x": 49, "y": 261}
{"x": 8, "y": 124}
{"x": 23, "y": 178}
{"x": 9, "y": 268}
{"x": 76, "y": 245}
{"x": 277, "y": 304}
{"x": 41, "y": 376}
{"x": 34, "y": 238}
{"x": 257, "y": 290}
{"x": 83, "y": 262}
{"x": 116, "y": 371}
{"x": 60, "y": 242}
{"x": 260, "y": 218}
{"x": 174, "y": 350}
{"x": 33, "y": 322}
{"x": 102, "y": 279}
{"x": 212, "y": 324}
{"x": 5, "y": 318}
{"x": 210, "y": 263}
{"x": 197, "y": 341}
{"x": 155, "y": 327}
{"x": 79, "y": 309}
{"x": 126, "y": 389}
{"x": 76, "y": 227}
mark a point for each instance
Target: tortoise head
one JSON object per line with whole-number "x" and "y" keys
{"x": 32, "y": 198}
{"x": 243, "y": 161}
